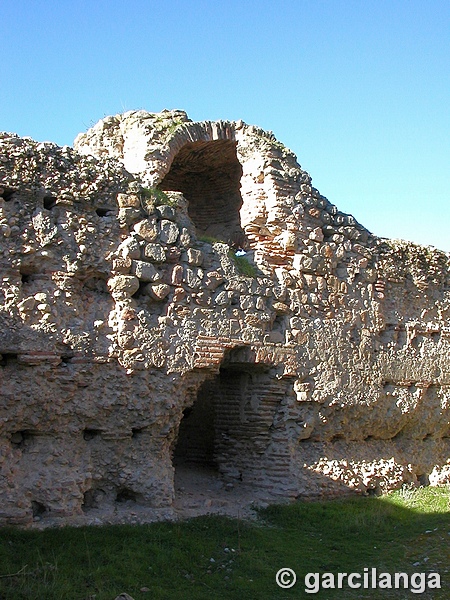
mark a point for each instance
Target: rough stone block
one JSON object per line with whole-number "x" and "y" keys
{"x": 128, "y": 201}
{"x": 159, "y": 291}
{"x": 176, "y": 276}
{"x": 173, "y": 254}
{"x": 124, "y": 283}
{"x": 179, "y": 295}
{"x": 128, "y": 215}
{"x": 27, "y": 304}
{"x": 154, "y": 253}
{"x": 168, "y": 232}
{"x": 191, "y": 278}
{"x": 145, "y": 271}
{"x": 130, "y": 248}
{"x": 166, "y": 212}
{"x": 121, "y": 265}
{"x": 147, "y": 229}
{"x": 223, "y": 298}
{"x": 316, "y": 235}
{"x": 281, "y": 309}
{"x": 213, "y": 279}
{"x": 185, "y": 238}
{"x": 194, "y": 257}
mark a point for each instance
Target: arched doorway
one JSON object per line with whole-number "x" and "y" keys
{"x": 232, "y": 427}
{"x": 196, "y": 435}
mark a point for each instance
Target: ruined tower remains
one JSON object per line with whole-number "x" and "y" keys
{"x": 177, "y": 292}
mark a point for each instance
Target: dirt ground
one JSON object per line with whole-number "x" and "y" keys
{"x": 198, "y": 491}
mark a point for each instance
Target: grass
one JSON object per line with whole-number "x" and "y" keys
{"x": 243, "y": 265}
{"x": 218, "y": 558}
{"x": 151, "y": 197}
{"x": 209, "y": 239}
{"x": 167, "y": 125}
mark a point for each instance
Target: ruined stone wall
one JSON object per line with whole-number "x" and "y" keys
{"x": 324, "y": 368}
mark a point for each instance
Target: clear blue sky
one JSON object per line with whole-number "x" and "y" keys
{"x": 359, "y": 90}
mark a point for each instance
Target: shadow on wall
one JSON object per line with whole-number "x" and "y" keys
{"x": 247, "y": 424}
{"x": 241, "y": 422}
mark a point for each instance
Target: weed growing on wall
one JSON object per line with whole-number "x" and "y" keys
{"x": 243, "y": 265}
{"x": 153, "y": 196}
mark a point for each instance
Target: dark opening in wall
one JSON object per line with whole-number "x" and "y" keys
{"x": 7, "y": 194}
{"x": 423, "y": 479}
{"x": 196, "y": 434}
{"x": 374, "y": 489}
{"x": 127, "y": 495}
{"x": 20, "y": 439}
{"x": 209, "y": 174}
{"x": 38, "y": 509}
{"x": 416, "y": 342}
{"x": 337, "y": 438}
{"x": 96, "y": 283}
{"x": 49, "y": 202}
{"x": 136, "y": 432}
{"x": 102, "y": 212}
{"x": 93, "y": 498}
{"x": 229, "y": 426}
{"x": 142, "y": 290}
{"x": 90, "y": 434}
{"x": 29, "y": 272}
{"x": 7, "y": 358}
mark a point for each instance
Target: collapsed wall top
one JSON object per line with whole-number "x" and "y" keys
{"x": 243, "y": 186}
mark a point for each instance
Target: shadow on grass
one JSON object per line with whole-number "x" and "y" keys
{"x": 216, "y": 557}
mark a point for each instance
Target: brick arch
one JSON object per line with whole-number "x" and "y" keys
{"x": 208, "y": 173}
{"x": 232, "y": 421}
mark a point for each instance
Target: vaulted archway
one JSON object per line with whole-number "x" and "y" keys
{"x": 208, "y": 173}
{"x": 230, "y": 428}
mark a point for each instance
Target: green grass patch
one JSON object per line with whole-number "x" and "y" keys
{"x": 151, "y": 197}
{"x": 218, "y": 558}
{"x": 209, "y": 239}
{"x": 243, "y": 265}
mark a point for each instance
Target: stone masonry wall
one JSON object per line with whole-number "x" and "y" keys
{"x": 323, "y": 369}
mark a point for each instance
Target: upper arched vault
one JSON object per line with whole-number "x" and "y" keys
{"x": 208, "y": 173}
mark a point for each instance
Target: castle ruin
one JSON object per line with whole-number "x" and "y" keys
{"x": 178, "y": 293}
